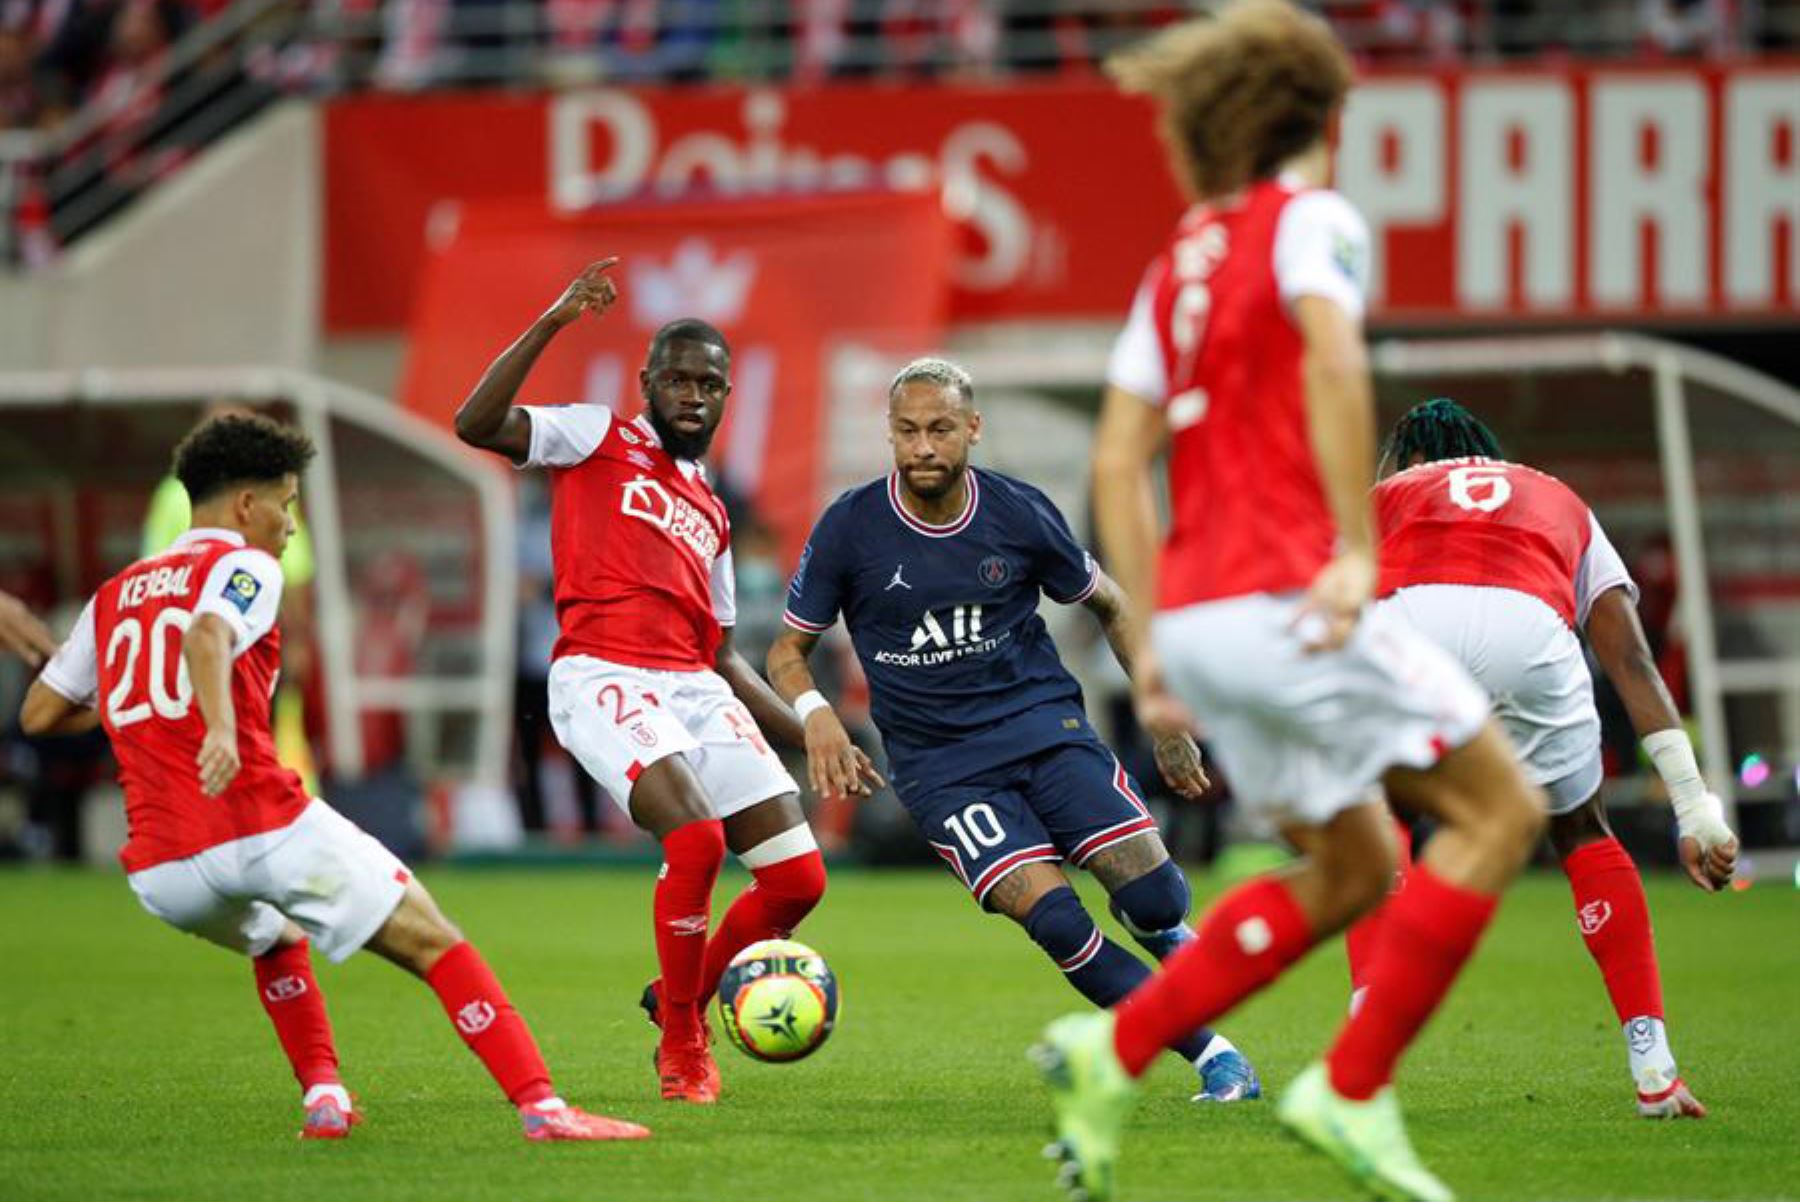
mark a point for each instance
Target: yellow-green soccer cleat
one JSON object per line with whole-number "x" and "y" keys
{"x": 1092, "y": 1096}
{"x": 1366, "y": 1139}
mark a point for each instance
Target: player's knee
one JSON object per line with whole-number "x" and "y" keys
{"x": 1154, "y": 902}
{"x": 1060, "y": 925}
{"x": 700, "y": 843}
{"x": 792, "y": 887}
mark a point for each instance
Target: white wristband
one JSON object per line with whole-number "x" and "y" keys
{"x": 808, "y": 702}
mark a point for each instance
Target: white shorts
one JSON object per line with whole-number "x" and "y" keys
{"x": 1304, "y": 736}
{"x": 1530, "y": 663}
{"x": 321, "y": 870}
{"x": 618, "y": 720}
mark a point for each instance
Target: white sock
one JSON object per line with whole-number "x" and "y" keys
{"x": 1652, "y": 1063}
{"x": 336, "y": 1093}
{"x": 552, "y": 1103}
{"x": 1216, "y": 1047}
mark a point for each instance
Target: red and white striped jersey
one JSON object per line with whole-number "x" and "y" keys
{"x": 1211, "y": 341}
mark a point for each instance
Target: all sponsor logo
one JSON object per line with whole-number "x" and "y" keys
{"x": 475, "y": 1018}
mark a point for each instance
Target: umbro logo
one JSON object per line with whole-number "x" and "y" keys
{"x": 693, "y": 924}
{"x": 897, "y": 581}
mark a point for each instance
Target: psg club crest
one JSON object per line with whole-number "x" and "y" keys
{"x": 994, "y": 571}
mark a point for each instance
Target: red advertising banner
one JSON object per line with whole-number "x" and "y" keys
{"x": 783, "y": 279}
{"x": 1647, "y": 193}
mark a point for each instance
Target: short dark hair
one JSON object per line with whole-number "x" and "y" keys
{"x": 687, "y": 329}
{"x": 940, "y": 372}
{"x": 236, "y": 449}
{"x": 1438, "y": 429}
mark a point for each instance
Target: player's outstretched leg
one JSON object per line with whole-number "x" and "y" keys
{"x": 421, "y": 940}
{"x": 1491, "y": 818}
{"x": 1150, "y": 897}
{"x": 1614, "y": 918}
{"x": 291, "y": 997}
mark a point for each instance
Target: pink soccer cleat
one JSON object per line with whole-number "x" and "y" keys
{"x": 570, "y": 1123}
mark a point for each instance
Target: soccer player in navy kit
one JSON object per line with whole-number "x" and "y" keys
{"x": 937, "y": 570}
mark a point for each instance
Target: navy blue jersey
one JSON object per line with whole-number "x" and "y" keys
{"x": 962, "y": 674}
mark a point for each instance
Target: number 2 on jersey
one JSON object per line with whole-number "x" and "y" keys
{"x": 167, "y": 692}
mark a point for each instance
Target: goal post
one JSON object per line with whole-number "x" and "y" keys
{"x": 388, "y": 497}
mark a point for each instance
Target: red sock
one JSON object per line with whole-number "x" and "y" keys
{"x": 1360, "y": 939}
{"x": 290, "y": 994}
{"x": 1244, "y": 941}
{"x": 487, "y": 1022}
{"x": 1430, "y": 929}
{"x": 692, "y": 855}
{"x": 1615, "y": 921}
{"x": 770, "y": 908}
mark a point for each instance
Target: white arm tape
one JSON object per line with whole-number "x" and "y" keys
{"x": 1697, "y": 812}
{"x": 809, "y": 702}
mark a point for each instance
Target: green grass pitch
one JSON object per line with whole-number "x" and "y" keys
{"x": 135, "y": 1062}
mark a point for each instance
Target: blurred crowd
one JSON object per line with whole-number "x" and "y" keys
{"x": 58, "y": 55}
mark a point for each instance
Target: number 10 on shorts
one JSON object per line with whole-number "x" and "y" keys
{"x": 975, "y": 828}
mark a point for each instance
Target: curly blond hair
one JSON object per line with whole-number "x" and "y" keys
{"x": 1240, "y": 92}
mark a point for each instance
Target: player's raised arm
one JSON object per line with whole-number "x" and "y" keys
{"x": 835, "y": 767}
{"x": 1340, "y": 420}
{"x": 1708, "y": 848}
{"x": 487, "y": 419}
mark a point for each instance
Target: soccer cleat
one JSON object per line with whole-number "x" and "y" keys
{"x": 1675, "y": 1102}
{"x": 1228, "y": 1077}
{"x": 1366, "y": 1139}
{"x": 567, "y": 1123}
{"x": 687, "y": 1069}
{"x": 651, "y": 1003}
{"x": 326, "y": 1118}
{"x": 1092, "y": 1096}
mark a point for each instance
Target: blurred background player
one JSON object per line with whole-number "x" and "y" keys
{"x": 937, "y": 570}
{"x": 225, "y": 844}
{"x": 646, "y": 689}
{"x": 1244, "y": 352}
{"x": 1500, "y": 565}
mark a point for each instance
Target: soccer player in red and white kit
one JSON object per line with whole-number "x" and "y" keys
{"x": 646, "y": 690}
{"x": 179, "y": 654}
{"x": 1500, "y": 566}
{"x": 1244, "y": 352}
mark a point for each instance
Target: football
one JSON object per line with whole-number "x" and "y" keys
{"x": 778, "y": 1001}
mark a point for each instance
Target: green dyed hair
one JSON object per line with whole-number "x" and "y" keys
{"x": 1438, "y": 429}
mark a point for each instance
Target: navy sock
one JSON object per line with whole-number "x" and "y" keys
{"x": 1100, "y": 969}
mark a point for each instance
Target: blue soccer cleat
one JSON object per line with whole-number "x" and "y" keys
{"x": 1228, "y": 1077}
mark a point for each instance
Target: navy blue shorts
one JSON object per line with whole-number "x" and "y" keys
{"x": 1067, "y": 803}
